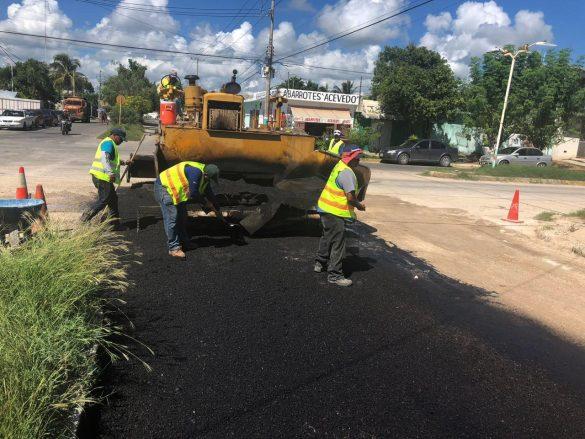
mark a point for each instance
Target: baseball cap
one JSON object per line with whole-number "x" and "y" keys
{"x": 348, "y": 156}
{"x": 119, "y": 132}
{"x": 212, "y": 172}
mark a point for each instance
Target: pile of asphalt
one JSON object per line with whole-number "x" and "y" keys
{"x": 249, "y": 342}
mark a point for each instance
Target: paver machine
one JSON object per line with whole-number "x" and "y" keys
{"x": 261, "y": 168}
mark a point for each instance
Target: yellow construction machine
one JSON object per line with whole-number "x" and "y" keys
{"x": 261, "y": 169}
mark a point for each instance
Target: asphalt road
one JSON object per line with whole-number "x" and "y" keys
{"x": 249, "y": 342}
{"x": 483, "y": 199}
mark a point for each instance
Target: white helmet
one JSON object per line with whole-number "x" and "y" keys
{"x": 337, "y": 133}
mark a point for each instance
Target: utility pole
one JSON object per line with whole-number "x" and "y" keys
{"x": 359, "y": 100}
{"x": 100, "y": 86}
{"x": 11, "y": 78}
{"x": 268, "y": 70}
{"x": 46, "y": 60}
{"x": 197, "y": 68}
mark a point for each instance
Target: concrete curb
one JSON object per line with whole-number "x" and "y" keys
{"x": 507, "y": 179}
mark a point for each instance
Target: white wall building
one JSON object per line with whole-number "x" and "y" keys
{"x": 9, "y": 101}
{"x": 314, "y": 112}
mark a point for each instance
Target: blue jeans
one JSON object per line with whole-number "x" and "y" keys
{"x": 174, "y": 217}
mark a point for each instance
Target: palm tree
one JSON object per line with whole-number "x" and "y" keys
{"x": 64, "y": 71}
{"x": 347, "y": 87}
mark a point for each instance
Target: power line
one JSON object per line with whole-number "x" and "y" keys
{"x": 221, "y": 14}
{"x": 122, "y": 46}
{"x": 345, "y": 34}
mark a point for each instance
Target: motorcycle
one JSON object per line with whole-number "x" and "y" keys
{"x": 65, "y": 126}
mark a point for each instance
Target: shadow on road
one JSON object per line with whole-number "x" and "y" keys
{"x": 249, "y": 342}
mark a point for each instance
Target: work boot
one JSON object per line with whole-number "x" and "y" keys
{"x": 318, "y": 267}
{"x": 177, "y": 253}
{"x": 341, "y": 282}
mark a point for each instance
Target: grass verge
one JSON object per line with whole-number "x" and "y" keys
{"x": 530, "y": 172}
{"x": 49, "y": 319}
{"x": 133, "y": 131}
{"x": 577, "y": 214}
{"x": 545, "y": 216}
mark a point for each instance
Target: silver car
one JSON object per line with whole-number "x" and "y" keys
{"x": 518, "y": 156}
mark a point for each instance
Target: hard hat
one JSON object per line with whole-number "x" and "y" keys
{"x": 350, "y": 155}
{"x": 173, "y": 71}
{"x": 118, "y": 132}
{"x": 212, "y": 172}
{"x": 337, "y": 133}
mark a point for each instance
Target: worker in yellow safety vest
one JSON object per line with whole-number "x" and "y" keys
{"x": 105, "y": 172}
{"x": 170, "y": 87}
{"x": 173, "y": 188}
{"x": 336, "y": 143}
{"x": 336, "y": 206}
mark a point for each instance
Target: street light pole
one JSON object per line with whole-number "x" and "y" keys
{"x": 524, "y": 49}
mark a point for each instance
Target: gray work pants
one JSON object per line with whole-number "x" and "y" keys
{"x": 332, "y": 245}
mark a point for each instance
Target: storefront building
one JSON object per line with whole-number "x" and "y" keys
{"x": 315, "y": 112}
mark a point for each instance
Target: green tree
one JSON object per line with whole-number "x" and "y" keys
{"x": 65, "y": 75}
{"x": 347, "y": 87}
{"x": 31, "y": 80}
{"x": 546, "y": 93}
{"x": 131, "y": 81}
{"x": 416, "y": 85}
{"x": 294, "y": 82}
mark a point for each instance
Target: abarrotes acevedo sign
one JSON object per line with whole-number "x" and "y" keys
{"x": 319, "y": 96}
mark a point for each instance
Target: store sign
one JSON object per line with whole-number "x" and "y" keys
{"x": 323, "y": 120}
{"x": 320, "y": 96}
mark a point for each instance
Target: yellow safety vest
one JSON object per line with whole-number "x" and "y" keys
{"x": 335, "y": 148}
{"x": 333, "y": 199}
{"x": 97, "y": 168}
{"x": 175, "y": 181}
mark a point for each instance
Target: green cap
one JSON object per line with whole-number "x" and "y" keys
{"x": 118, "y": 132}
{"x": 212, "y": 172}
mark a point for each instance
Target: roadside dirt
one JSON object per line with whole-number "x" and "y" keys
{"x": 528, "y": 275}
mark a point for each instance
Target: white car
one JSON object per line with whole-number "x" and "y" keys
{"x": 518, "y": 156}
{"x": 16, "y": 119}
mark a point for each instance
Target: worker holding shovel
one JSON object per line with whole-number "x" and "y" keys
{"x": 105, "y": 172}
{"x": 173, "y": 188}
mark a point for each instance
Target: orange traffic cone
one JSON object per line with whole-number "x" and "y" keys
{"x": 40, "y": 195}
{"x": 21, "y": 190}
{"x": 514, "y": 211}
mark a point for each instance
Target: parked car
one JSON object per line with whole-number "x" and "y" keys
{"x": 55, "y": 117}
{"x": 16, "y": 119}
{"x": 37, "y": 117}
{"x": 150, "y": 118}
{"x": 514, "y": 155}
{"x": 420, "y": 151}
{"x": 47, "y": 118}
{"x": 59, "y": 115}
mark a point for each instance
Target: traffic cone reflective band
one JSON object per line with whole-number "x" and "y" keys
{"x": 21, "y": 190}
{"x": 40, "y": 195}
{"x": 514, "y": 211}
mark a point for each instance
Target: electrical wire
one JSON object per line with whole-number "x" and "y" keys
{"x": 344, "y": 34}
{"x": 101, "y": 44}
{"x": 163, "y": 10}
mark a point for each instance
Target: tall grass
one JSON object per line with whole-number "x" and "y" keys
{"x": 50, "y": 317}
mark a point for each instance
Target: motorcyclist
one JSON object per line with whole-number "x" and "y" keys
{"x": 65, "y": 123}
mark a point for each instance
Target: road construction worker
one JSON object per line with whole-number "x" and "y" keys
{"x": 173, "y": 188}
{"x": 336, "y": 143}
{"x": 105, "y": 172}
{"x": 170, "y": 87}
{"x": 336, "y": 207}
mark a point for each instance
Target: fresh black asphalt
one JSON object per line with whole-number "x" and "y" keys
{"x": 249, "y": 343}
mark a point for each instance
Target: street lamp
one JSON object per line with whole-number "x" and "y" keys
{"x": 523, "y": 49}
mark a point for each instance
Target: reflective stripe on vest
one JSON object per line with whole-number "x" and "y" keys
{"x": 175, "y": 181}
{"x": 335, "y": 148}
{"x": 97, "y": 168}
{"x": 333, "y": 199}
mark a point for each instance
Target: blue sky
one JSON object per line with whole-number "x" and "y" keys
{"x": 457, "y": 29}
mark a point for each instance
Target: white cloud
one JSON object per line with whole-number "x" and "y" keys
{"x": 479, "y": 27}
{"x": 301, "y": 5}
{"x": 349, "y": 14}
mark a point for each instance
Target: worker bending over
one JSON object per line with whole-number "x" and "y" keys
{"x": 336, "y": 207}
{"x": 105, "y": 171}
{"x": 173, "y": 188}
{"x": 336, "y": 143}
